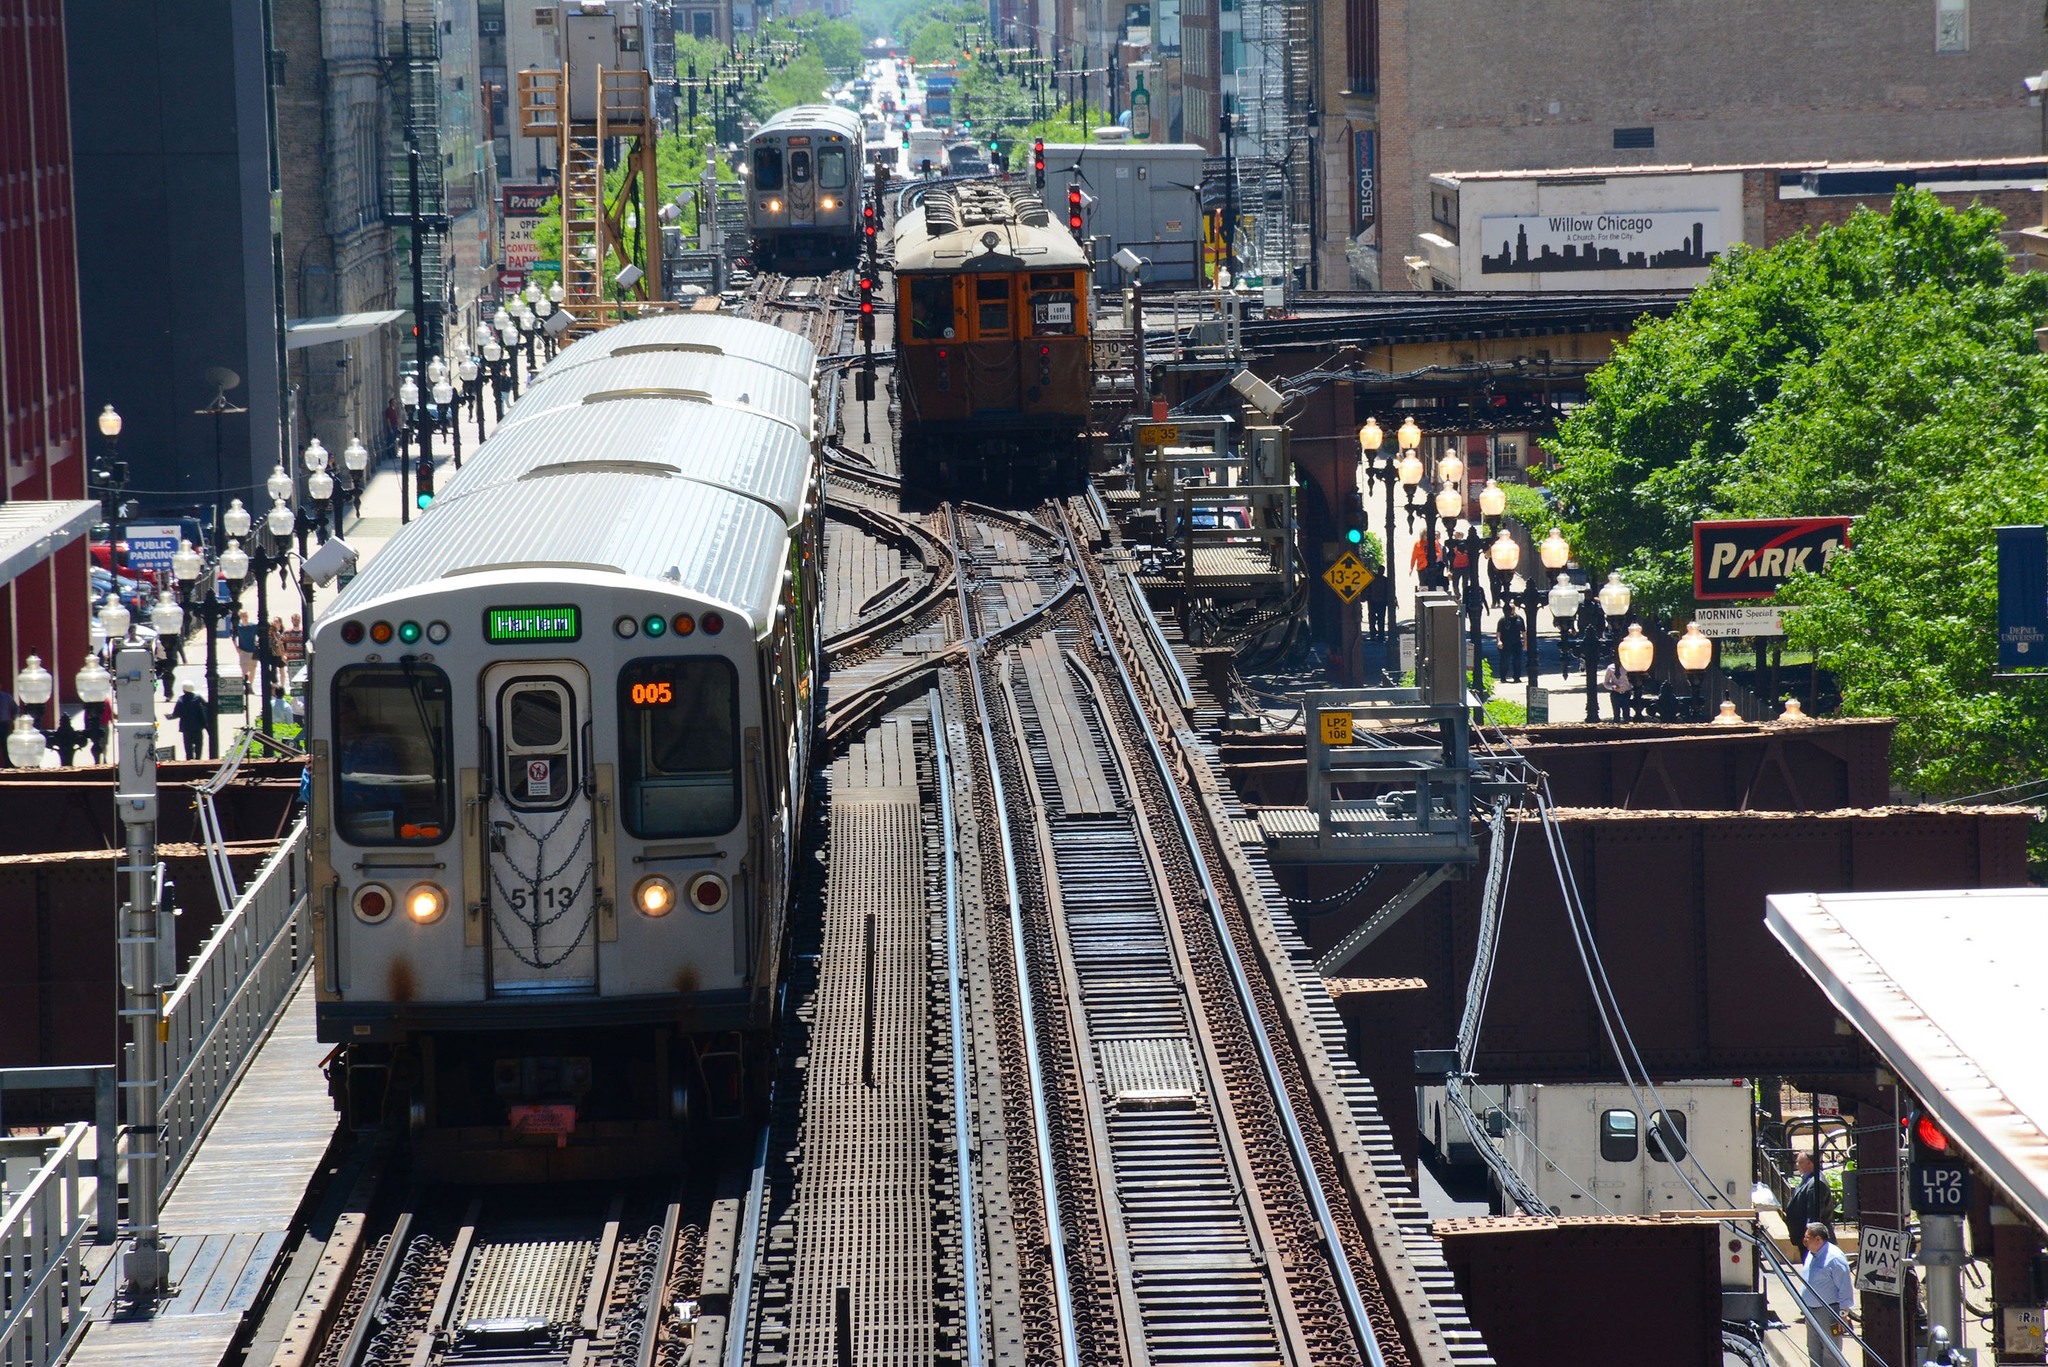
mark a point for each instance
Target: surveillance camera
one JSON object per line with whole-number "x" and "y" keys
{"x": 1257, "y": 393}
{"x": 333, "y": 556}
{"x": 557, "y": 323}
{"x": 628, "y": 277}
{"x": 1129, "y": 260}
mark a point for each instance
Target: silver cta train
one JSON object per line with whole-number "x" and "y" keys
{"x": 560, "y": 739}
{"x": 804, "y": 188}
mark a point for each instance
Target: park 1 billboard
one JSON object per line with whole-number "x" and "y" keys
{"x": 523, "y": 206}
{"x": 1752, "y": 558}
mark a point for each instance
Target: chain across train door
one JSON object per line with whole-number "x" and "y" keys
{"x": 541, "y": 864}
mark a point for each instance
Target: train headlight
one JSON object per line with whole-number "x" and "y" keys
{"x": 709, "y": 892}
{"x": 373, "y": 903}
{"x": 654, "y": 895}
{"x": 426, "y": 903}
{"x": 774, "y": 206}
{"x": 828, "y": 204}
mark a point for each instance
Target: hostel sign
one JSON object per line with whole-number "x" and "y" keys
{"x": 1753, "y": 558}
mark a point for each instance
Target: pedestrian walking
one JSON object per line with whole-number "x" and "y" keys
{"x": 1615, "y": 680}
{"x": 248, "y": 637}
{"x": 1509, "y": 635}
{"x": 191, "y": 715}
{"x": 161, "y": 662}
{"x": 1827, "y": 1292}
{"x": 1378, "y": 600}
{"x": 96, "y": 719}
{"x": 67, "y": 740}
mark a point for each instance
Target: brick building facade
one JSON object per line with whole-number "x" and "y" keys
{"x": 43, "y": 603}
{"x": 1426, "y": 88}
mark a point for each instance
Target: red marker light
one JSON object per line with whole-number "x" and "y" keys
{"x": 713, "y": 623}
{"x": 1928, "y": 1133}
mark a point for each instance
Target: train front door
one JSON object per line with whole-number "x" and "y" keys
{"x": 541, "y": 871}
{"x": 803, "y": 190}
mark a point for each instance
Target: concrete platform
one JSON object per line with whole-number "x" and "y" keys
{"x": 227, "y": 1221}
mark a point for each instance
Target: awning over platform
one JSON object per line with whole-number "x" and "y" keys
{"x": 1946, "y": 986}
{"x": 33, "y": 530}
{"x": 340, "y": 327}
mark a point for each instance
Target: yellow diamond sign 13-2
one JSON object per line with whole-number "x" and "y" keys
{"x": 1348, "y": 577}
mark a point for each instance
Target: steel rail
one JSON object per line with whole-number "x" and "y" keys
{"x": 1354, "y": 1301}
{"x": 970, "y": 1252}
{"x": 1063, "y": 1295}
{"x": 739, "y": 1326}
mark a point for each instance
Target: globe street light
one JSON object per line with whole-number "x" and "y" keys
{"x": 1635, "y": 653}
{"x": 356, "y": 457}
{"x": 187, "y": 566}
{"x": 1695, "y": 652}
{"x": 1387, "y": 472}
{"x": 1613, "y": 598}
{"x": 409, "y": 397}
{"x": 33, "y": 687}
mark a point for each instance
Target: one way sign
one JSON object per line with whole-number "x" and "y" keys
{"x": 1751, "y": 559}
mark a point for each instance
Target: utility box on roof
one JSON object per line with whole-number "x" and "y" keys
{"x": 1147, "y": 197}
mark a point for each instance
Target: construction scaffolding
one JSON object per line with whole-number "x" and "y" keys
{"x": 1277, "y": 98}
{"x": 598, "y": 108}
{"x": 415, "y": 200}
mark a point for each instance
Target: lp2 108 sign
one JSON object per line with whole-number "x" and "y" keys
{"x": 1751, "y": 559}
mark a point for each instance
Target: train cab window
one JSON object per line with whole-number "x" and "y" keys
{"x": 394, "y": 766}
{"x": 992, "y": 308}
{"x": 1619, "y": 1130}
{"x": 832, "y": 168}
{"x": 679, "y": 747}
{"x": 1053, "y": 304}
{"x": 799, "y": 168}
{"x": 767, "y": 168}
{"x": 931, "y": 307}
{"x": 536, "y": 724}
{"x": 1667, "y": 1136}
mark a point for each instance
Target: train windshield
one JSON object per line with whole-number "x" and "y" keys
{"x": 767, "y": 168}
{"x": 394, "y": 756}
{"x": 931, "y": 307}
{"x": 832, "y": 168}
{"x": 679, "y": 746}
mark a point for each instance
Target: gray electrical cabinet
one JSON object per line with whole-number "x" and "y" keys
{"x": 1147, "y": 197}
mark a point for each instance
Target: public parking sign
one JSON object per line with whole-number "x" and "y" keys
{"x": 151, "y": 546}
{"x": 1751, "y": 559}
{"x": 1940, "y": 1188}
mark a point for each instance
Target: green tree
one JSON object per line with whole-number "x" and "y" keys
{"x": 1885, "y": 369}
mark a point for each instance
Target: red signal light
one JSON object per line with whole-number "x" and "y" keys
{"x": 1928, "y": 1134}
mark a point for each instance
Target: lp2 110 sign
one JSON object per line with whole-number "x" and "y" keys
{"x": 1941, "y": 1188}
{"x": 1751, "y": 559}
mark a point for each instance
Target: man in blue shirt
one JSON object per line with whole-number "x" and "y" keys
{"x": 1827, "y": 1296}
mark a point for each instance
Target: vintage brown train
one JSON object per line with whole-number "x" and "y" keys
{"x": 993, "y": 364}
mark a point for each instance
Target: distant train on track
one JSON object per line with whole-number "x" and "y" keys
{"x": 993, "y": 362}
{"x": 804, "y": 187}
{"x": 561, "y": 731}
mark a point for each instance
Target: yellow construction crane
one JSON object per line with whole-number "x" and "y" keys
{"x": 601, "y": 96}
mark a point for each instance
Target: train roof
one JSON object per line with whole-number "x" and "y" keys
{"x": 830, "y": 117}
{"x": 983, "y": 226}
{"x": 689, "y": 375}
{"x": 722, "y": 445}
{"x": 718, "y": 334}
{"x": 712, "y": 544}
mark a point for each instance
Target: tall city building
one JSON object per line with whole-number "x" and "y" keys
{"x": 1407, "y": 89}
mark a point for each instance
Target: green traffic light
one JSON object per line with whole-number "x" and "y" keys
{"x": 1355, "y": 536}
{"x": 424, "y": 501}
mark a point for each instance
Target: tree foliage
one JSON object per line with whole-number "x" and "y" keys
{"x": 1884, "y": 369}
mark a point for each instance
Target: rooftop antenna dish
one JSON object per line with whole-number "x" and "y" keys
{"x": 222, "y": 379}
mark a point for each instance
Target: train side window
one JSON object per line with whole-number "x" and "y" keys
{"x": 1618, "y": 1136}
{"x": 992, "y": 308}
{"x": 832, "y": 168}
{"x": 800, "y": 168}
{"x": 767, "y": 168}
{"x": 931, "y": 307}
{"x": 394, "y": 775}
{"x": 1667, "y": 1136}
{"x": 679, "y": 746}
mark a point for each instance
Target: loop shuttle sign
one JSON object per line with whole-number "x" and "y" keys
{"x": 1753, "y": 558}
